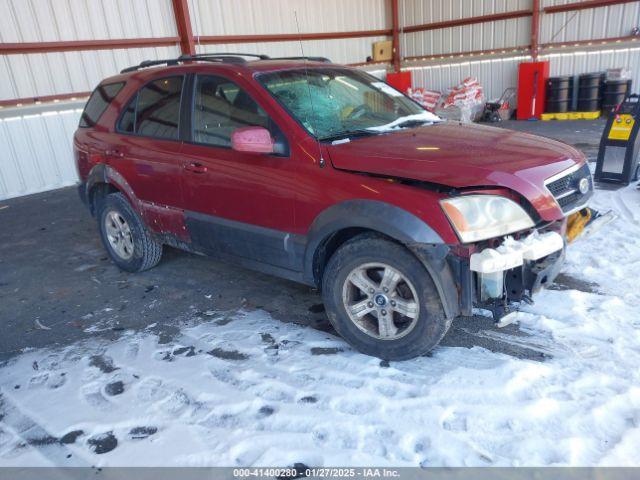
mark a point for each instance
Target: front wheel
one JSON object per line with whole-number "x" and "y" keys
{"x": 382, "y": 300}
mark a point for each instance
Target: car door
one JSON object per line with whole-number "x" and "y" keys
{"x": 236, "y": 202}
{"x": 147, "y": 146}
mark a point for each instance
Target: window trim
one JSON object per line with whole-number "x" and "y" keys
{"x": 136, "y": 94}
{"x": 102, "y": 85}
{"x": 190, "y": 137}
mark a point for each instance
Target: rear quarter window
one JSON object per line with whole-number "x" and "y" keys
{"x": 154, "y": 111}
{"x": 98, "y": 102}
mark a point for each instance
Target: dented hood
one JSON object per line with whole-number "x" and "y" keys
{"x": 464, "y": 155}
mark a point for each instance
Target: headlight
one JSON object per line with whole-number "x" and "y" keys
{"x": 478, "y": 217}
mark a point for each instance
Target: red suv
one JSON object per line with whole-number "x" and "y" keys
{"x": 325, "y": 175}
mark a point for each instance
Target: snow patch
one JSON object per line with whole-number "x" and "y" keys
{"x": 257, "y": 391}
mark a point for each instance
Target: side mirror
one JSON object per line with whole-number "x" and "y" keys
{"x": 252, "y": 140}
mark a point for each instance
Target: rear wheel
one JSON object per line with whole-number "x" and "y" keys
{"x": 382, "y": 300}
{"x": 124, "y": 235}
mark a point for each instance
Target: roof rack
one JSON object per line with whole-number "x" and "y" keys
{"x": 226, "y": 54}
{"x": 149, "y": 63}
{"x": 311, "y": 59}
{"x": 223, "y": 57}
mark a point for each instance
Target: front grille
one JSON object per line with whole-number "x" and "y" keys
{"x": 566, "y": 190}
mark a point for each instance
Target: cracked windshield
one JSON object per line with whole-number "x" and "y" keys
{"x": 333, "y": 103}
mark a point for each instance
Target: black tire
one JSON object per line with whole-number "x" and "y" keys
{"x": 147, "y": 251}
{"x": 431, "y": 324}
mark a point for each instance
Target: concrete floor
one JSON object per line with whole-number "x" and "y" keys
{"x": 57, "y": 285}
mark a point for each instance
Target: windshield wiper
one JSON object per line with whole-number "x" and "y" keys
{"x": 349, "y": 134}
{"x": 412, "y": 123}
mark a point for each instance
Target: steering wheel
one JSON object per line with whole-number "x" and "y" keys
{"x": 358, "y": 112}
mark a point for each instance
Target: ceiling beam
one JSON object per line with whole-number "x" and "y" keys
{"x": 570, "y": 7}
{"x": 467, "y": 21}
{"x": 76, "y": 45}
{"x": 284, "y": 37}
{"x": 183, "y": 24}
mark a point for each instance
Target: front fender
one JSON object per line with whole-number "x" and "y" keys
{"x": 395, "y": 223}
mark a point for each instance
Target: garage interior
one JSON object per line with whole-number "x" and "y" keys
{"x": 202, "y": 363}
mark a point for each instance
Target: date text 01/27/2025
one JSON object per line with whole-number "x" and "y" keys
{"x": 294, "y": 472}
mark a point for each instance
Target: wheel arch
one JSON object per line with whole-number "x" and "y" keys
{"x": 339, "y": 223}
{"x": 103, "y": 180}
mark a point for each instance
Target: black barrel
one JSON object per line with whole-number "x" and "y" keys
{"x": 614, "y": 93}
{"x": 557, "y": 95}
{"x": 589, "y": 92}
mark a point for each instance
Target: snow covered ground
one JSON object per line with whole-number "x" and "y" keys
{"x": 240, "y": 388}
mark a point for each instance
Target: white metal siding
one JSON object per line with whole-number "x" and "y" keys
{"x": 596, "y": 61}
{"x": 481, "y": 36}
{"x": 41, "y": 74}
{"x": 593, "y": 23}
{"x": 346, "y": 50}
{"x": 495, "y": 74}
{"x": 36, "y": 152}
{"x": 61, "y": 20}
{"x": 263, "y": 17}
{"x": 260, "y": 17}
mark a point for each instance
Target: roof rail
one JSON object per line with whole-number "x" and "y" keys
{"x": 226, "y": 54}
{"x": 311, "y": 59}
{"x": 224, "y": 57}
{"x": 150, "y": 63}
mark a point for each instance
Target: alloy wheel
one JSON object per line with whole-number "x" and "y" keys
{"x": 119, "y": 234}
{"x": 381, "y": 301}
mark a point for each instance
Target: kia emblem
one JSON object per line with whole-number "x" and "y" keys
{"x": 583, "y": 186}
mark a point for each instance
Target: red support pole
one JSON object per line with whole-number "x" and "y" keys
{"x": 183, "y": 22}
{"x": 396, "y": 35}
{"x": 535, "y": 29}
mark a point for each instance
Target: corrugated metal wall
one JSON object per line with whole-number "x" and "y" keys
{"x": 35, "y": 75}
{"x": 481, "y": 36}
{"x": 35, "y": 148}
{"x": 346, "y": 50}
{"x": 262, "y": 17}
{"x": 494, "y": 74}
{"x": 41, "y": 74}
{"x": 597, "y": 61}
{"x": 588, "y": 24}
{"x": 497, "y": 74}
{"x": 53, "y": 20}
{"x": 36, "y": 151}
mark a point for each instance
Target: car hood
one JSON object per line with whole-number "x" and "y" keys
{"x": 464, "y": 155}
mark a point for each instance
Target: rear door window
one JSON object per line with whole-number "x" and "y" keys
{"x": 155, "y": 110}
{"x": 98, "y": 103}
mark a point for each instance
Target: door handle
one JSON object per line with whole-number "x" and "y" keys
{"x": 195, "y": 167}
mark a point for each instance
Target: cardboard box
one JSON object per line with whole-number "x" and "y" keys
{"x": 382, "y": 51}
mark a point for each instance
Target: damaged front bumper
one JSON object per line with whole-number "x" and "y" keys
{"x": 495, "y": 279}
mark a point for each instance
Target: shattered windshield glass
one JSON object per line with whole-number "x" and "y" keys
{"x": 334, "y": 103}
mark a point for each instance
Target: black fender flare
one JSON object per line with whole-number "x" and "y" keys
{"x": 102, "y": 173}
{"x": 395, "y": 223}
